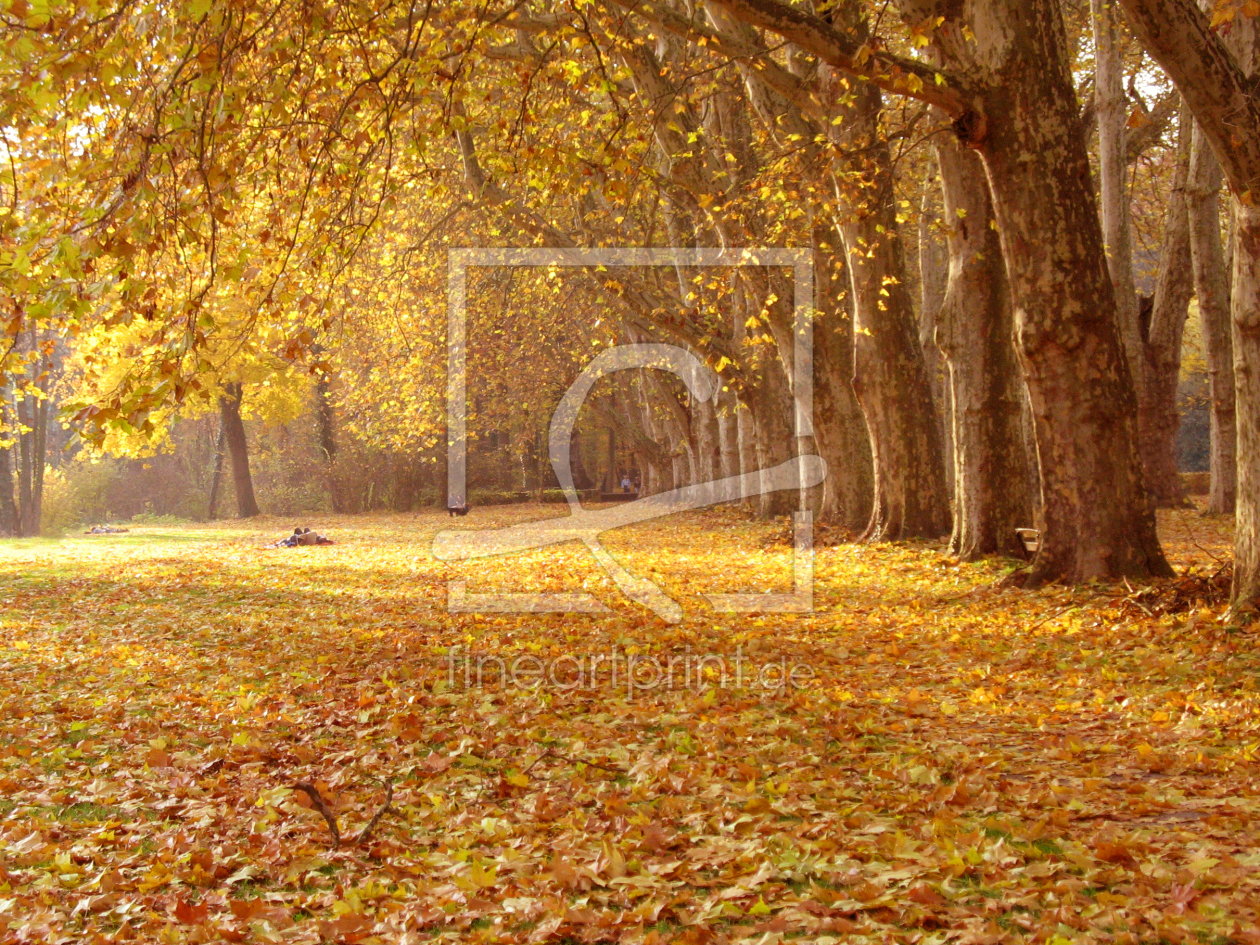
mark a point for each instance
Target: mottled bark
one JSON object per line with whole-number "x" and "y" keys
{"x": 704, "y": 424}
{"x": 1097, "y": 522}
{"x": 770, "y": 400}
{"x": 890, "y": 377}
{"x": 1211, "y": 288}
{"x": 1157, "y": 398}
{"x": 747, "y": 430}
{"x": 1010, "y": 94}
{"x": 1111, "y": 108}
{"x": 1217, "y": 84}
{"x": 1245, "y": 305}
{"x": 975, "y": 334}
{"x": 933, "y": 281}
{"x": 838, "y": 422}
{"x": 238, "y": 449}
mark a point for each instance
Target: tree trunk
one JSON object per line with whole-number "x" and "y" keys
{"x": 28, "y": 459}
{"x": 975, "y": 333}
{"x": 933, "y": 282}
{"x": 39, "y": 463}
{"x": 728, "y": 433}
{"x": 840, "y": 429}
{"x": 1211, "y": 287}
{"x": 1111, "y": 106}
{"x": 1097, "y": 522}
{"x": 328, "y": 441}
{"x": 1159, "y": 418}
{"x": 234, "y": 433}
{"x": 890, "y": 376}
{"x": 747, "y": 431}
{"x": 704, "y": 423}
{"x": 216, "y": 480}
{"x": 8, "y": 506}
{"x": 772, "y": 412}
{"x": 1246, "y": 336}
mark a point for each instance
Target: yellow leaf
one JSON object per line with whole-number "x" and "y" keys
{"x": 759, "y": 907}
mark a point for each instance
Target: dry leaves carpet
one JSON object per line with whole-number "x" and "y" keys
{"x": 968, "y": 763}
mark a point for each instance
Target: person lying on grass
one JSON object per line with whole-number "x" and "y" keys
{"x": 303, "y": 536}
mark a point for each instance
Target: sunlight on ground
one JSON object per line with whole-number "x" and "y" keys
{"x": 956, "y": 757}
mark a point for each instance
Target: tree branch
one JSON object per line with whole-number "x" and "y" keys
{"x": 1218, "y": 93}
{"x": 889, "y": 71}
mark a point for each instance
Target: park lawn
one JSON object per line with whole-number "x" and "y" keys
{"x": 959, "y": 760}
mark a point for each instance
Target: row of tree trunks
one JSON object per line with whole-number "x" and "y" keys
{"x": 25, "y": 415}
{"x": 1016, "y": 104}
{"x": 890, "y": 375}
{"x": 1217, "y": 84}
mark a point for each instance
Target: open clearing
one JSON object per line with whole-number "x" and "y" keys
{"x": 967, "y": 762}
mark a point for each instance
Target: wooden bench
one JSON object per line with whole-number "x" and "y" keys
{"x": 1031, "y": 538}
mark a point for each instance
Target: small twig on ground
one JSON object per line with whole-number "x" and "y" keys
{"x": 1181, "y": 512}
{"x": 376, "y": 818}
{"x": 573, "y": 761}
{"x": 322, "y": 806}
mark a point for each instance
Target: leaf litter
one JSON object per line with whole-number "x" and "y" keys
{"x": 962, "y": 762}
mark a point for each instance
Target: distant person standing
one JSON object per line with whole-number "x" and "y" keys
{"x": 625, "y": 483}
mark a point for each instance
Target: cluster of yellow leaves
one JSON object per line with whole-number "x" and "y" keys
{"x": 969, "y": 763}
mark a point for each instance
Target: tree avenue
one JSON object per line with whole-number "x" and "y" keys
{"x": 653, "y": 472}
{"x": 253, "y": 217}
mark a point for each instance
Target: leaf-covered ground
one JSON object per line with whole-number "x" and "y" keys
{"x": 969, "y": 762}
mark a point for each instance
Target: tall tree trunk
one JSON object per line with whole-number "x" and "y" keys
{"x": 1159, "y": 418}
{"x": 8, "y": 505}
{"x": 975, "y": 333}
{"x": 26, "y": 465}
{"x": 704, "y": 423}
{"x": 39, "y": 452}
{"x": 1111, "y": 106}
{"x": 728, "y": 433}
{"x": 216, "y": 480}
{"x": 1211, "y": 287}
{"x": 840, "y": 428}
{"x": 238, "y": 447}
{"x": 890, "y": 376}
{"x": 1097, "y": 522}
{"x": 771, "y": 413}
{"x": 328, "y": 440}
{"x": 933, "y": 281}
{"x": 747, "y": 430}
